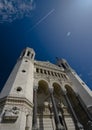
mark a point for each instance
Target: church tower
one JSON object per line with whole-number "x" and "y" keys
{"x": 16, "y": 99}
{"x": 39, "y": 95}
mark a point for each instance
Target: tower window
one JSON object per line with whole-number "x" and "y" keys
{"x": 59, "y": 65}
{"x": 32, "y": 56}
{"x": 19, "y": 89}
{"x": 23, "y": 71}
{"x": 23, "y": 53}
{"x": 26, "y": 61}
{"x": 63, "y": 66}
{"x": 66, "y": 65}
{"x": 28, "y": 54}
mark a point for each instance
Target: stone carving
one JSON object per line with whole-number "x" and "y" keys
{"x": 46, "y": 109}
{"x": 11, "y": 114}
{"x": 15, "y": 110}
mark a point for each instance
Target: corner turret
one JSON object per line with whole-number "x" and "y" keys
{"x": 63, "y": 63}
{"x": 28, "y": 53}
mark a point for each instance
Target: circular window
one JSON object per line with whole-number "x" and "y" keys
{"x": 26, "y": 61}
{"x": 19, "y": 89}
{"x": 23, "y": 71}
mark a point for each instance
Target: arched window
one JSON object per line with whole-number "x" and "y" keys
{"x": 28, "y": 53}
{"x": 32, "y": 56}
{"x": 42, "y": 86}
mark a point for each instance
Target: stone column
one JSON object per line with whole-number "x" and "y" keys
{"x": 56, "y": 115}
{"x": 28, "y": 120}
{"x": 78, "y": 124}
{"x": 35, "y": 126}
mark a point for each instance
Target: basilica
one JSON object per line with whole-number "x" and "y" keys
{"x": 40, "y": 95}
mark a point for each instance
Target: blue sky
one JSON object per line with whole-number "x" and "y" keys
{"x": 54, "y": 28}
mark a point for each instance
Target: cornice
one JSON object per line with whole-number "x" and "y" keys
{"x": 48, "y": 65}
{"x": 15, "y": 100}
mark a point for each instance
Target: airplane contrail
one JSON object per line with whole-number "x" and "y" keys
{"x": 42, "y": 19}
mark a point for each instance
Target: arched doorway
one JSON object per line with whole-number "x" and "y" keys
{"x": 42, "y": 93}
{"x": 45, "y": 118}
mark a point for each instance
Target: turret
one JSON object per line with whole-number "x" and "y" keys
{"x": 28, "y": 53}
{"x": 17, "y": 95}
{"x": 63, "y": 63}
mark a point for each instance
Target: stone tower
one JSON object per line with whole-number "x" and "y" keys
{"x": 43, "y": 96}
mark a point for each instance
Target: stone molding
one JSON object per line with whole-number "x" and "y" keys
{"x": 16, "y": 101}
{"x": 48, "y": 65}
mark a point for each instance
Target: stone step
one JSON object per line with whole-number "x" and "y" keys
{"x": 70, "y": 123}
{"x": 46, "y": 124}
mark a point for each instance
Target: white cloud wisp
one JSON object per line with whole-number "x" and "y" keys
{"x": 14, "y": 9}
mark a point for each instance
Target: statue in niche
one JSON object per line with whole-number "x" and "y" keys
{"x": 46, "y": 108}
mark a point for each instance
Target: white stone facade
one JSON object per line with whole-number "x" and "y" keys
{"x": 42, "y": 96}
